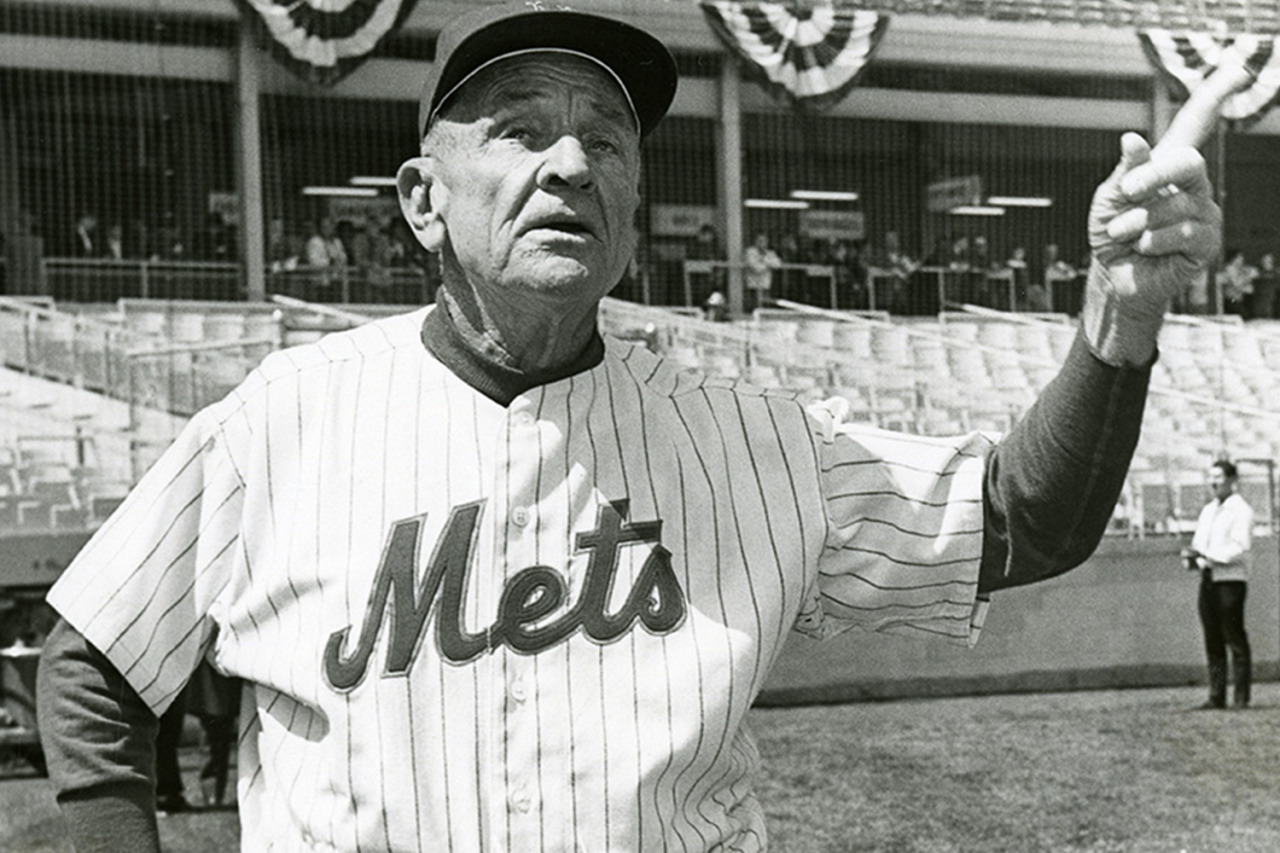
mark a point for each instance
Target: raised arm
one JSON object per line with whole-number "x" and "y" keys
{"x": 1052, "y": 484}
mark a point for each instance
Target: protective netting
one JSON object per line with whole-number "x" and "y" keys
{"x": 120, "y": 179}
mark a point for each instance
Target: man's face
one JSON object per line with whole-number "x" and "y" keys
{"x": 1220, "y": 484}
{"x": 536, "y": 166}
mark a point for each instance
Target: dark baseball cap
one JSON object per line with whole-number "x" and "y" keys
{"x": 641, "y": 64}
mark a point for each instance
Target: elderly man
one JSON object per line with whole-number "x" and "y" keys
{"x": 494, "y": 582}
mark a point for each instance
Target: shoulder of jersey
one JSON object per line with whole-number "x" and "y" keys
{"x": 346, "y": 348}
{"x": 667, "y": 377}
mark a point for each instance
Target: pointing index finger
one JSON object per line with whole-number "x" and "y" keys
{"x": 1194, "y": 123}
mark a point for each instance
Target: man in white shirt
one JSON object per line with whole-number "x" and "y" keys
{"x": 1220, "y": 549}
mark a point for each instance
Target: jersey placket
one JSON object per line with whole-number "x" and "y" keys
{"x": 517, "y": 813}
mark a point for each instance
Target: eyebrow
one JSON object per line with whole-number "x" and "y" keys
{"x": 513, "y": 96}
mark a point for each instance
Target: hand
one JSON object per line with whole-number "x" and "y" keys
{"x": 1153, "y": 226}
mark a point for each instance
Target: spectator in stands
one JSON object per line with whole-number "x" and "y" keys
{"x": 1028, "y": 297}
{"x": 705, "y": 246}
{"x": 851, "y": 291}
{"x": 24, "y": 257}
{"x": 951, "y": 252}
{"x": 324, "y": 248}
{"x": 1235, "y": 283}
{"x": 954, "y": 255}
{"x": 714, "y": 308}
{"x": 890, "y": 258}
{"x": 980, "y": 258}
{"x": 760, "y": 261}
{"x": 327, "y": 256}
{"x": 85, "y": 241}
{"x": 282, "y": 248}
{"x": 214, "y": 242}
{"x": 790, "y": 283}
{"x": 371, "y": 258}
{"x": 1264, "y": 287}
{"x": 170, "y": 245}
{"x": 1221, "y": 552}
{"x": 115, "y": 242}
{"x": 1059, "y": 280}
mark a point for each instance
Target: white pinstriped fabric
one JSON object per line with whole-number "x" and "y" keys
{"x": 473, "y": 627}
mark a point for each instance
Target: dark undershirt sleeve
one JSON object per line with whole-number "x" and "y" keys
{"x": 1052, "y": 483}
{"x": 99, "y": 741}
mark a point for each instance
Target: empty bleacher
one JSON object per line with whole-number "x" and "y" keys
{"x": 88, "y": 399}
{"x": 1215, "y": 389}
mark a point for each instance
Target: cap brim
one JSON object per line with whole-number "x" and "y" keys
{"x": 641, "y": 63}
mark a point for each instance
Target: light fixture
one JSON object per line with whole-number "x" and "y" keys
{"x": 976, "y": 210}
{"x": 824, "y": 195}
{"x": 373, "y": 181}
{"x": 776, "y": 204}
{"x": 1020, "y": 201}
{"x": 357, "y": 192}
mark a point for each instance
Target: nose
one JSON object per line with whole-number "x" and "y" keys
{"x": 565, "y": 165}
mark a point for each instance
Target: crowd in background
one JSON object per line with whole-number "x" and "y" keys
{"x": 882, "y": 274}
{"x": 367, "y": 258}
{"x": 373, "y": 258}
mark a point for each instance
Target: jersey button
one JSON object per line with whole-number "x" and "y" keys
{"x": 522, "y": 802}
{"x": 522, "y": 419}
{"x": 518, "y": 691}
{"x": 519, "y": 516}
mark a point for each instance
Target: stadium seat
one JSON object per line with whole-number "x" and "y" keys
{"x": 187, "y": 327}
{"x": 818, "y": 333}
{"x": 226, "y": 326}
{"x": 852, "y": 339}
{"x": 889, "y": 345}
{"x": 763, "y": 375}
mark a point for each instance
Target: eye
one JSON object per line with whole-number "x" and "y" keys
{"x": 603, "y": 145}
{"x": 518, "y": 132}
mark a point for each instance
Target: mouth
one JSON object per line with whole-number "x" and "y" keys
{"x": 569, "y": 227}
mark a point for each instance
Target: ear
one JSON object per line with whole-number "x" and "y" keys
{"x": 415, "y": 183}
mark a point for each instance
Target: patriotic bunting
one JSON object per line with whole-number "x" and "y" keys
{"x": 812, "y": 55}
{"x": 1191, "y": 57}
{"x": 325, "y": 40}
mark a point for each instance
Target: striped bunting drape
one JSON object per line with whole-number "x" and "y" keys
{"x": 812, "y": 55}
{"x": 1191, "y": 57}
{"x": 325, "y": 40}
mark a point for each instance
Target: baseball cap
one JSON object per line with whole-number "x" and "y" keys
{"x": 640, "y": 63}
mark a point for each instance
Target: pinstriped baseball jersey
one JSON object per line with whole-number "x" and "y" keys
{"x": 477, "y": 627}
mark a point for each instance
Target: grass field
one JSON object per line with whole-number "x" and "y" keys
{"x": 1138, "y": 770}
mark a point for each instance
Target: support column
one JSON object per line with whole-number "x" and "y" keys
{"x": 249, "y": 163}
{"x": 729, "y": 157}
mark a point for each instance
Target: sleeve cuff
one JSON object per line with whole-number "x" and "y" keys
{"x": 103, "y": 820}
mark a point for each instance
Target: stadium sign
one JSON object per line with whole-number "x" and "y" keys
{"x": 680, "y": 220}
{"x": 941, "y": 196}
{"x": 833, "y": 224}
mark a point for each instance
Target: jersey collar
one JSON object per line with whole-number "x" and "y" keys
{"x": 463, "y": 353}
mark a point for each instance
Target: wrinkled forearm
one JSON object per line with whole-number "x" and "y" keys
{"x": 1121, "y": 333}
{"x": 1052, "y": 483}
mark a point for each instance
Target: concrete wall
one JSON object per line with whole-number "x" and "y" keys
{"x": 1127, "y": 617}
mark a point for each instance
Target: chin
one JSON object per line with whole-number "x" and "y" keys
{"x": 567, "y": 278}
